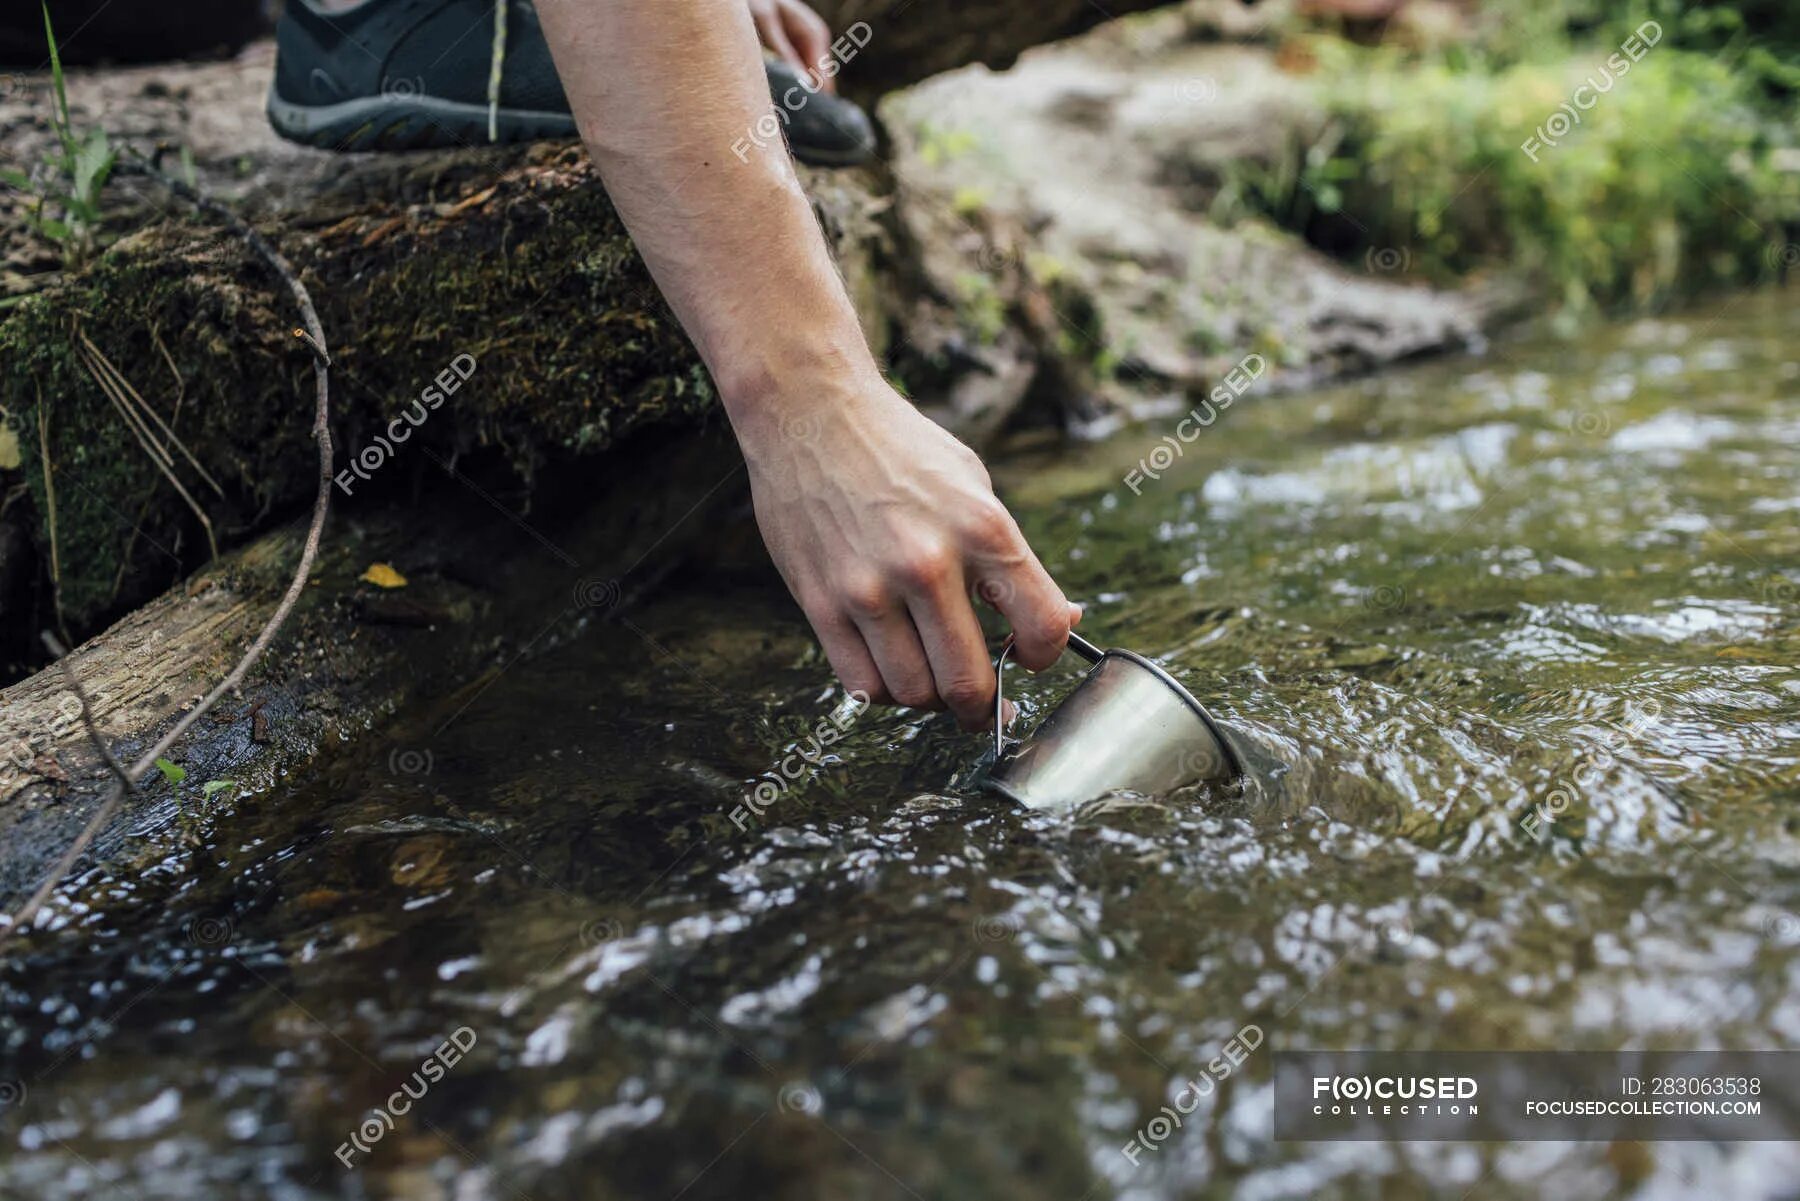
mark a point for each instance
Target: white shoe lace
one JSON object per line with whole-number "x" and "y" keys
{"x": 495, "y": 65}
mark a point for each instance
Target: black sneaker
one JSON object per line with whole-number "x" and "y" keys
{"x": 412, "y": 74}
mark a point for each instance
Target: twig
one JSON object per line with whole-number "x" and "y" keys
{"x": 61, "y": 653}
{"x": 145, "y": 409}
{"x": 158, "y": 455}
{"x": 107, "y": 808}
{"x": 50, "y": 510}
{"x": 309, "y": 550}
{"x": 150, "y": 495}
{"x": 180, "y": 384}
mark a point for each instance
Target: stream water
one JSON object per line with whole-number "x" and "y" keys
{"x": 1524, "y": 627}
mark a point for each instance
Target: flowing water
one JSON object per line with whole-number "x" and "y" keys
{"x": 1523, "y": 627}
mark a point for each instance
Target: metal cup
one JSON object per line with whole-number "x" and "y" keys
{"x": 1127, "y": 726}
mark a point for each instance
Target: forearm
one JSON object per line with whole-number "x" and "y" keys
{"x": 880, "y": 522}
{"x": 662, "y": 91}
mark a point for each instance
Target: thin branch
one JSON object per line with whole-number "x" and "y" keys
{"x": 145, "y": 409}
{"x": 61, "y": 652}
{"x": 147, "y": 440}
{"x": 309, "y": 550}
{"x": 50, "y": 509}
{"x": 180, "y": 384}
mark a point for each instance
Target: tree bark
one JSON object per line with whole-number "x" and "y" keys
{"x": 911, "y": 40}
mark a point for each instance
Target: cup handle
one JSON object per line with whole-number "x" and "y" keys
{"x": 1081, "y": 646}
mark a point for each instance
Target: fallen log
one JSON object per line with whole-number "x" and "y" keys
{"x": 483, "y": 587}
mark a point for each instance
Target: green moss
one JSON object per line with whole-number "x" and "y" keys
{"x": 574, "y": 350}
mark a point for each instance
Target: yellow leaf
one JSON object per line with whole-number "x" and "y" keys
{"x": 383, "y": 576}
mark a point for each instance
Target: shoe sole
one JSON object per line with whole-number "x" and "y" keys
{"x": 396, "y": 122}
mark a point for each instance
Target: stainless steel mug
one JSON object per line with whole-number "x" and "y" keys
{"x": 1127, "y": 726}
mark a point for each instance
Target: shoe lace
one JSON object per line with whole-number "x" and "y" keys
{"x": 496, "y": 64}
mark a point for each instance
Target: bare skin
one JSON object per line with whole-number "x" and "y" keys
{"x": 881, "y": 523}
{"x": 793, "y": 31}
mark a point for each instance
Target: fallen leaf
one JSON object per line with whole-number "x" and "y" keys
{"x": 50, "y": 768}
{"x": 383, "y": 576}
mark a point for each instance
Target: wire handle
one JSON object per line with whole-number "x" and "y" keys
{"x": 1081, "y": 646}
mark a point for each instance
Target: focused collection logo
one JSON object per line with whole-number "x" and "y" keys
{"x": 1386, "y": 1096}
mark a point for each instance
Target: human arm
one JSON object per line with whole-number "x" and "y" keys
{"x": 879, "y": 521}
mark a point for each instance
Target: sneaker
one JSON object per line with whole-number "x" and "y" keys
{"x": 413, "y": 74}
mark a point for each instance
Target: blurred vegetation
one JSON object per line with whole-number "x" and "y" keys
{"x": 1682, "y": 175}
{"x": 66, "y": 185}
{"x": 1759, "y": 38}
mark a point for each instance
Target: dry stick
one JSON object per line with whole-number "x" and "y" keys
{"x": 87, "y": 711}
{"x": 126, "y": 413}
{"x": 174, "y": 416}
{"x": 180, "y": 384}
{"x": 314, "y": 335}
{"x": 147, "y": 440}
{"x": 50, "y": 508}
{"x": 146, "y": 410}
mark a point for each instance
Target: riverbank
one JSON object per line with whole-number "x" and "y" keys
{"x": 1100, "y": 236}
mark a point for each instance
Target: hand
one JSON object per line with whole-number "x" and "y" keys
{"x": 882, "y": 524}
{"x": 796, "y": 33}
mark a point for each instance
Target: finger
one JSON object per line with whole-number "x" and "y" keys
{"x": 957, "y": 653}
{"x": 773, "y": 33}
{"x": 810, "y": 36}
{"x": 898, "y": 653}
{"x": 1037, "y": 610}
{"x": 849, "y": 657}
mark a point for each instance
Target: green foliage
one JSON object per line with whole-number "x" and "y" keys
{"x": 1672, "y": 180}
{"x": 68, "y": 183}
{"x": 980, "y": 307}
{"x": 176, "y": 775}
{"x": 938, "y": 145}
{"x": 1759, "y": 39}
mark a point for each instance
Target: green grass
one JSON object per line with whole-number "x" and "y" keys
{"x": 67, "y": 184}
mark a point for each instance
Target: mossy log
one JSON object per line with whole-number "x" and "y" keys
{"x": 523, "y": 278}
{"x": 911, "y": 40}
